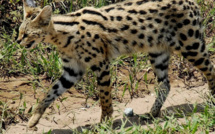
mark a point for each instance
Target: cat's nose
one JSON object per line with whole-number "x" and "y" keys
{"x": 18, "y": 41}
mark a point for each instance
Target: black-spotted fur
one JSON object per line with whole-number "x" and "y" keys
{"x": 91, "y": 38}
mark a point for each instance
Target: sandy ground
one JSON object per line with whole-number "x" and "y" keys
{"x": 76, "y": 116}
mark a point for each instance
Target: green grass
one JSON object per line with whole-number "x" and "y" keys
{"x": 16, "y": 60}
{"x": 201, "y": 123}
{"x": 44, "y": 60}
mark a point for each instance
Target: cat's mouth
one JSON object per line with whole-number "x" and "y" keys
{"x": 29, "y": 45}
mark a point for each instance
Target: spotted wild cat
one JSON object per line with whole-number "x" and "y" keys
{"x": 92, "y": 37}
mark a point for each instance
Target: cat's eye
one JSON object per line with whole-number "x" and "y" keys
{"x": 25, "y": 35}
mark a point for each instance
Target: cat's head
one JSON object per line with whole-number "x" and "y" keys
{"x": 36, "y": 24}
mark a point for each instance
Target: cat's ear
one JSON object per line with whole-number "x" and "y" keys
{"x": 28, "y": 5}
{"x": 44, "y": 17}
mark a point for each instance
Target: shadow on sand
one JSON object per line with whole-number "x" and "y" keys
{"x": 186, "y": 109}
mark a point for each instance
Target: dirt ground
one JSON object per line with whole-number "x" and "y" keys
{"x": 72, "y": 112}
